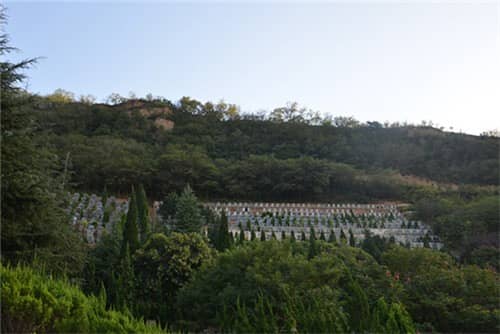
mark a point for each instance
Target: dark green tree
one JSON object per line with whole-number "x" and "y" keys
{"x": 34, "y": 224}
{"x": 187, "y": 216}
{"x": 343, "y": 238}
{"x": 262, "y": 235}
{"x": 352, "y": 241}
{"x": 130, "y": 230}
{"x": 332, "y": 238}
{"x": 143, "y": 213}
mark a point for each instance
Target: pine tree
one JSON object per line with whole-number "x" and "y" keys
{"x": 188, "y": 215}
{"x": 130, "y": 230}
{"x": 32, "y": 220}
{"x": 142, "y": 213}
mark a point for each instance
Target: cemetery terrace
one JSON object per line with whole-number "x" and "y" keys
{"x": 92, "y": 218}
{"x": 283, "y": 219}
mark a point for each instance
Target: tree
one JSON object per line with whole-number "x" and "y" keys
{"x": 343, "y": 238}
{"x": 143, "y": 213}
{"x": 332, "y": 238}
{"x": 130, "y": 230}
{"x": 313, "y": 248}
{"x": 352, "y": 241}
{"x": 61, "y": 96}
{"x": 262, "y": 235}
{"x": 33, "y": 222}
{"x": 163, "y": 265}
{"x": 188, "y": 216}
{"x": 222, "y": 237}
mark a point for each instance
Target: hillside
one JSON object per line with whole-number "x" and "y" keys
{"x": 226, "y": 155}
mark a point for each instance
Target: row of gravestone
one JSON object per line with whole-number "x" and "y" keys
{"x": 407, "y": 240}
{"x": 250, "y": 205}
{"x": 93, "y": 216}
{"x": 249, "y": 223}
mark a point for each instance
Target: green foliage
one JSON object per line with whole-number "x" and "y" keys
{"x": 263, "y": 275}
{"x": 33, "y": 302}
{"x": 439, "y": 292}
{"x": 142, "y": 213}
{"x": 162, "y": 266}
{"x": 188, "y": 216}
{"x": 221, "y": 239}
{"x": 130, "y": 230}
{"x": 33, "y": 223}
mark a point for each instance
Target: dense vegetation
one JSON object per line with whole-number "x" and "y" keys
{"x": 172, "y": 273}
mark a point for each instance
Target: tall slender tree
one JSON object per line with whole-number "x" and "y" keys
{"x": 142, "y": 213}
{"x": 130, "y": 230}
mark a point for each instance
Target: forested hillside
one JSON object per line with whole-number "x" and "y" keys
{"x": 281, "y": 156}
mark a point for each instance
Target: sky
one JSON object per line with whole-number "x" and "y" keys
{"x": 384, "y": 61}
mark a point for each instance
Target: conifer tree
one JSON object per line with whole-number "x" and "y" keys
{"x": 303, "y": 236}
{"x": 130, "y": 230}
{"x": 292, "y": 236}
{"x": 322, "y": 236}
{"x": 283, "y": 235}
{"x": 223, "y": 237}
{"x": 188, "y": 215}
{"x": 332, "y": 238}
{"x": 242, "y": 236}
{"x": 142, "y": 213}
{"x": 253, "y": 236}
{"x": 33, "y": 223}
{"x": 273, "y": 236}
{"x": 313, "y": 251}
{"x": 352, "y": 241}
{"x": 262, "y": 235}
{"x": 343, "y": 238}
{"x": 126, "y": 280}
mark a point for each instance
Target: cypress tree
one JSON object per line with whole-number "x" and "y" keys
{"x": 273, "y": 236}
{"x": 313, "y": 251}
{"x": 332, "y": 238}
{"x": 303, "y": 236}
{"x": 252, "y": 235}
{"x": 352, "y": 241}
{"x": 143, "y": 213}
{"x": 343, "y": 238}
{"x": 292, "y": 236}
{"x": 130, "y": 231}
{"x": 322, "y": 236}
{"x": 283, "y": 235}
{"x": 223, "y": 237}
{"x": 242, "y": 237}
{"x": 262, "y": 235}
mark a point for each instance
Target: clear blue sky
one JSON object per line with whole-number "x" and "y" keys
{"x": 396, "y": 61}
